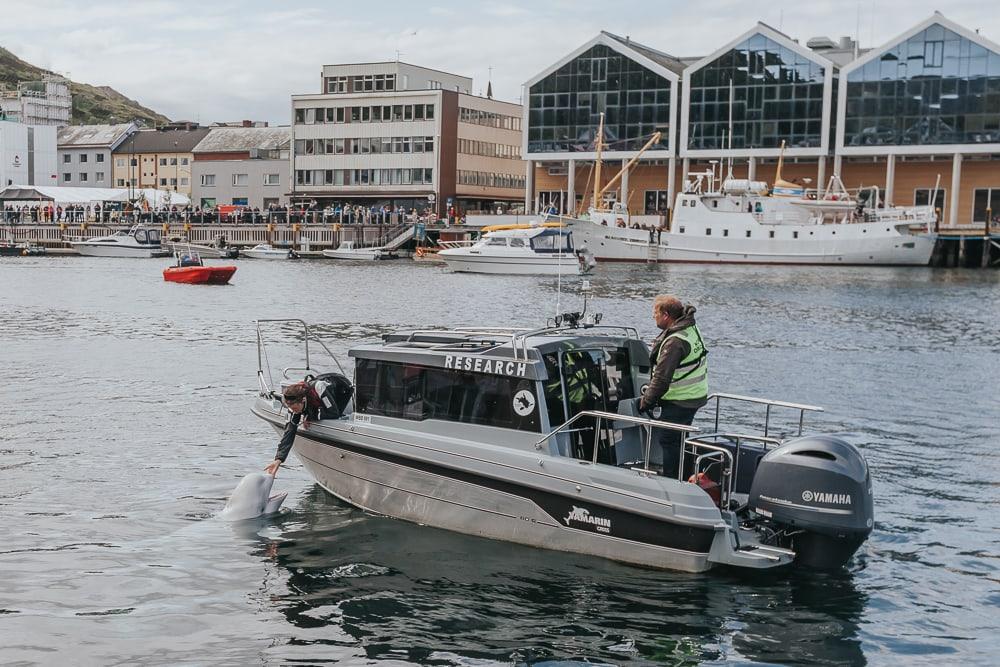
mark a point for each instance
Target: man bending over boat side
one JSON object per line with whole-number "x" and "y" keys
{"x": 679, "y": 382}
{"x": 299, "y": 400}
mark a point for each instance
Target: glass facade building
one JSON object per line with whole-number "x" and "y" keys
{"x": 564, "y": 107}
{"x": 774, "y": 93}
{"x": 934, "y": 88}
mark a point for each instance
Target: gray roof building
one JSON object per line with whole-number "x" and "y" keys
{"x": 94, "y": 136}
{"x": 164, "y": 141}
{"x": 244, "y": 139}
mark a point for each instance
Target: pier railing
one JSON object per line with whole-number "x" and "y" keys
{"x": 301, "y": 236}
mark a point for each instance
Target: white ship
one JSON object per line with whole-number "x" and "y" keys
{"x": 741, "y": 222}
{"x": 728, "y": 220}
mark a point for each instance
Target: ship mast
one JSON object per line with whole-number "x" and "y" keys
{"x": 597, "y": 162}
{"x": 655, "y": 139}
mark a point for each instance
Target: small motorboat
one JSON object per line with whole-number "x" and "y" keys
{"x": 534, "y": 436}
{"x": 192, "y": 271}
{"x": 138, "y": 241}
{"x": 267, "y": 251}
{"x": 11, "y": 249}
{"x": 521, "y": 250}
{"x": 347, "y": 250}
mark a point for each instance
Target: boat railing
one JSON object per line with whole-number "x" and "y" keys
{"x": 768, "y": 405}
{"x": 266, "y": 385}
{"x": 518, "y": 336}
{"x": 702, "y": 450}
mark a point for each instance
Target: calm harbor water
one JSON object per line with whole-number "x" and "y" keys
{"x": 126, "y": 423}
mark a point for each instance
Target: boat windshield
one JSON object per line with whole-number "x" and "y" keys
{"x": 587, "y": 379}
{"x": 496, "y": 241}
{"x": 410, "y": 391}
{"x": 552, "y": 240}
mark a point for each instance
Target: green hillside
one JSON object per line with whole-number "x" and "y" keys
{"x": 91, "y": 104}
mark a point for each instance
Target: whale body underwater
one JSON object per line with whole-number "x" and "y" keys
{"x": 252, "y": 498}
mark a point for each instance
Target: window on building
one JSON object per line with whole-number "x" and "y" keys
{"x": 163, "y": 182}
{"x": 936, "y": 87}
{"x": 986, "y": 204}
{"x": 173, "y": 161}
{"x": 173, "y": 183}
{"x": 120, "y": 162}
{"x": 922, "y": 197}
{"x": 99, "y": 176}
{"x": 272, "y": 179}
{"x": 67, "y": 177}
{"x": 184, "y": 161}
{"x": 83, "y": 177}
{"x": 99, "y": 157}
{"x": 67, "y": 158}
{"x": 208, "y": 180}
{"x": 163, "y": 162}
{"x": 241, "y": 179}
{"x": 83, "y": 158}
{"x": 240, "y": 201}
{"x": 120, "y": 183}
{"x": 134, "y": 162}
{"x": 185, "y": 181}
{"x": 772, "y": 92}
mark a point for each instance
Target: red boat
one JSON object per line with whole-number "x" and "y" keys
{"x": 191, "y": 270}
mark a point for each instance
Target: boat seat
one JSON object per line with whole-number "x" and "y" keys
{"x": 630, "y": 439}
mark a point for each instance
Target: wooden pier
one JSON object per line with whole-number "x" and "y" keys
{"x": 301, "y": 237}
{"x": 967, "y": 247}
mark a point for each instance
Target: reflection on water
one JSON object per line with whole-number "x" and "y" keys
{"x": 126, "y": 425}
{"x": 508, "y": 603}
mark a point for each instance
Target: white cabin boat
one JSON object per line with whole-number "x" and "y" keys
{"x": 136, "y": 242}
{"x": 267, "y": 251}
{"x": 348, "y": 250}
{"x": 520, "y": 250}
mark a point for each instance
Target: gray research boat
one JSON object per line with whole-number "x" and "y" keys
{"x": 533, "y": 437}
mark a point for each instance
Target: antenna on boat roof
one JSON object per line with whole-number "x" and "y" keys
{"x": 576, "y": 319}
{"x": 729, "y": 173}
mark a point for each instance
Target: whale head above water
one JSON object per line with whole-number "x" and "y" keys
{"x": 252, "y": 498}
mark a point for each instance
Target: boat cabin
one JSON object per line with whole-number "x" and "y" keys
{"x": 529, "y": 382}
{"x": 542, "y": 240}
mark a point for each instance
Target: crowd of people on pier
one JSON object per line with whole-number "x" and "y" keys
{"x": 305, "y": 213}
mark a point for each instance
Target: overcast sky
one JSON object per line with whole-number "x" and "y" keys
{"x": 221, "y": 60}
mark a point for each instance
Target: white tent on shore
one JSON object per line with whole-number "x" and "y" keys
{"x": 68, "y": 195}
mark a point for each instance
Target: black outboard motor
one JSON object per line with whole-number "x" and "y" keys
{"x": 816, "y": 493}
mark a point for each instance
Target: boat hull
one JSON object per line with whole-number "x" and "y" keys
{"x": 856, "y": 244}
{"x": 113, "y": 250}
{"x": 268, "y": 254}
{"x": 199, "y": 275}
{"x": 364, "y": 255}
{"x": 533, "y": 507}
{"x": 510, "y": 265}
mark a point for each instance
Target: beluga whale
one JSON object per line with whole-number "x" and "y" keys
{"x": 252, "y": 498}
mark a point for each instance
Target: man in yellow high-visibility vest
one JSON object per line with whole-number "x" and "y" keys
{"x": 679, "y": 382}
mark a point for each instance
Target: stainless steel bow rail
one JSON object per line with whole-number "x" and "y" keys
{"x": 768, "y": 403}
{"x": 266, "y": 386}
